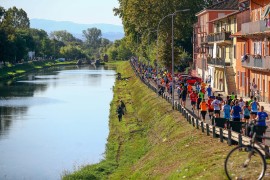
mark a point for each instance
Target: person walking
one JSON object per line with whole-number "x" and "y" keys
{"x": 123, "y": 106}
{"x": 120, "y": 113}
{"x": 209, "y": 91}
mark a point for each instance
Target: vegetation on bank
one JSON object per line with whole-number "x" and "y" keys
{"x": 12, "y": 71}
{"x": 153, "y": 141}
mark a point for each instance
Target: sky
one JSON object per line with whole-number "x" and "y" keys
{"x": 78, "y": 11}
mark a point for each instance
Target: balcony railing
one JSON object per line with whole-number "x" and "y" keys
{"x": 254, "y": 62}
{"x": 217, "y": 62}
{"x": 220, "y": 36}
{"x": 254, "y": 27}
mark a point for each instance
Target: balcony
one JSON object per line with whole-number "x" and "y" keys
{"x": 217, "y": 62}
{"x": 220, "y": 38}
{"x": 259, "y": 63}
{"x": 254, "y": 27}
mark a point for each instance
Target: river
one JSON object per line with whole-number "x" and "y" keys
{"x": 54, "y": 121}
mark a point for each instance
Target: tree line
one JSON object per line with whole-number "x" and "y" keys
{"x": 141, "y": 18}
{"x": 17, "y": 39}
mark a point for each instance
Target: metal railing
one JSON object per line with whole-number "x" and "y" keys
{"x": 218, "y": 62}
{"x": 253, "y": 27}
{"x": 220, "y": 36}
{"x": 257, "y": 62}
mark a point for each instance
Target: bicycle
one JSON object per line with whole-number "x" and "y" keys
{"x": 247, "y": 161}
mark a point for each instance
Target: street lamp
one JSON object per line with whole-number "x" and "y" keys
{"x": 173, "y": 14}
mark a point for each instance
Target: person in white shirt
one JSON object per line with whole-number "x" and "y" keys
{"x": 217, "y": 106}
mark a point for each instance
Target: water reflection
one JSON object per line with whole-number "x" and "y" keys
{"x": 53, "y": 120}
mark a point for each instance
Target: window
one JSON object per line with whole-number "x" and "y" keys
{"x": 243, "y": 79}
{"x": 234, "y": 51}
{"x": 265, "y": 83}
{"x": 244, "y": 48}
{"x": 260, "y": 82}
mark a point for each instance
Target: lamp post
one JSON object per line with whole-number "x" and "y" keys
{"x": 173, "y": 14}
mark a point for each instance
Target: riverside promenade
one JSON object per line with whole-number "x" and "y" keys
{"x": 194, "y": 118}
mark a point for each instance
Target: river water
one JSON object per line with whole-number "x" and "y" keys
{"x": 54, "y": 121}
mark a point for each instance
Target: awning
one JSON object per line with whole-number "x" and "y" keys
{"x": 266, "y": 11}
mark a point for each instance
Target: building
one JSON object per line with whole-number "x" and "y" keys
{"x": 221, "y": 57}
{"x": 253, "y": 44}
{"x": 204, "y": 42}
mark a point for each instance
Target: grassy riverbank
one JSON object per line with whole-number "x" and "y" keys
{"x": 152, "y": 141}
{"x": 17, "y": 70}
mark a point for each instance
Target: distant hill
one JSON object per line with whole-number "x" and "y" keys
{"x": 109, "y": 31}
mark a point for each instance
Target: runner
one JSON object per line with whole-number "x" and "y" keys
{"x": 193, "y": 99}
{"x": 254, "y": 108}
{"x": 203, "y": 107}
{"x": 199, "y": 100}
{"x": 210, "y": 107}
{"x": 216, "y": 103}
{"x": 189, "y": 88}
{"x": 227, "y": 110}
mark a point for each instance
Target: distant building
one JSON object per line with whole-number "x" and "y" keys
{"x": 201, "y": 30}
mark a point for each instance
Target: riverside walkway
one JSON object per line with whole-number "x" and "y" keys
{"x": 195, "y": 120}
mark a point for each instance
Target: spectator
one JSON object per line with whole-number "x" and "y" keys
{"x": 209, "y": 91}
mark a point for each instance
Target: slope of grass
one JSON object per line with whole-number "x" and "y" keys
{"x": 153, "y": 141}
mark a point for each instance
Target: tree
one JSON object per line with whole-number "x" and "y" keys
{"x": 93, "y": 37}
{"x": 15, "y": 18}
{"x": 139, "y": 17}
{"x": 65, "y": 37}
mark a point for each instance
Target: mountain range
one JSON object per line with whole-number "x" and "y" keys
{"x": 109, "y": 31}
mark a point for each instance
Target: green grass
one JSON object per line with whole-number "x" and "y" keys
{"x": 152, "y": 141}
{"x": 12, "y": 71}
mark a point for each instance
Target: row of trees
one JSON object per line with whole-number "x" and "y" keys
{"x": 17, "y": 39}
{"x": 141, "y": 18}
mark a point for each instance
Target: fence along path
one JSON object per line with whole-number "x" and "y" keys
{"x": 210, "y": 130}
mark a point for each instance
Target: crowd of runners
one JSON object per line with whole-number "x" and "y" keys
{"x": 202, "y": 97}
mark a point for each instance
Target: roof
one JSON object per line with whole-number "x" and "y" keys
{"x": 223, "y": 5}
{"x": 228, "y": 15}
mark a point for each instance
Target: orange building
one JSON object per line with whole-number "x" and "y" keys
{"x": 253, "y": 58}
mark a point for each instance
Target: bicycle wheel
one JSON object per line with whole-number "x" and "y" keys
{"x": 245, "y": 162}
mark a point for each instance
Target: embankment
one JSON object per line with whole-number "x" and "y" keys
{"x": 153, "y": 141}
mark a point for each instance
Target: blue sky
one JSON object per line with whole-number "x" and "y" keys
{"x": 78, "y": 11}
